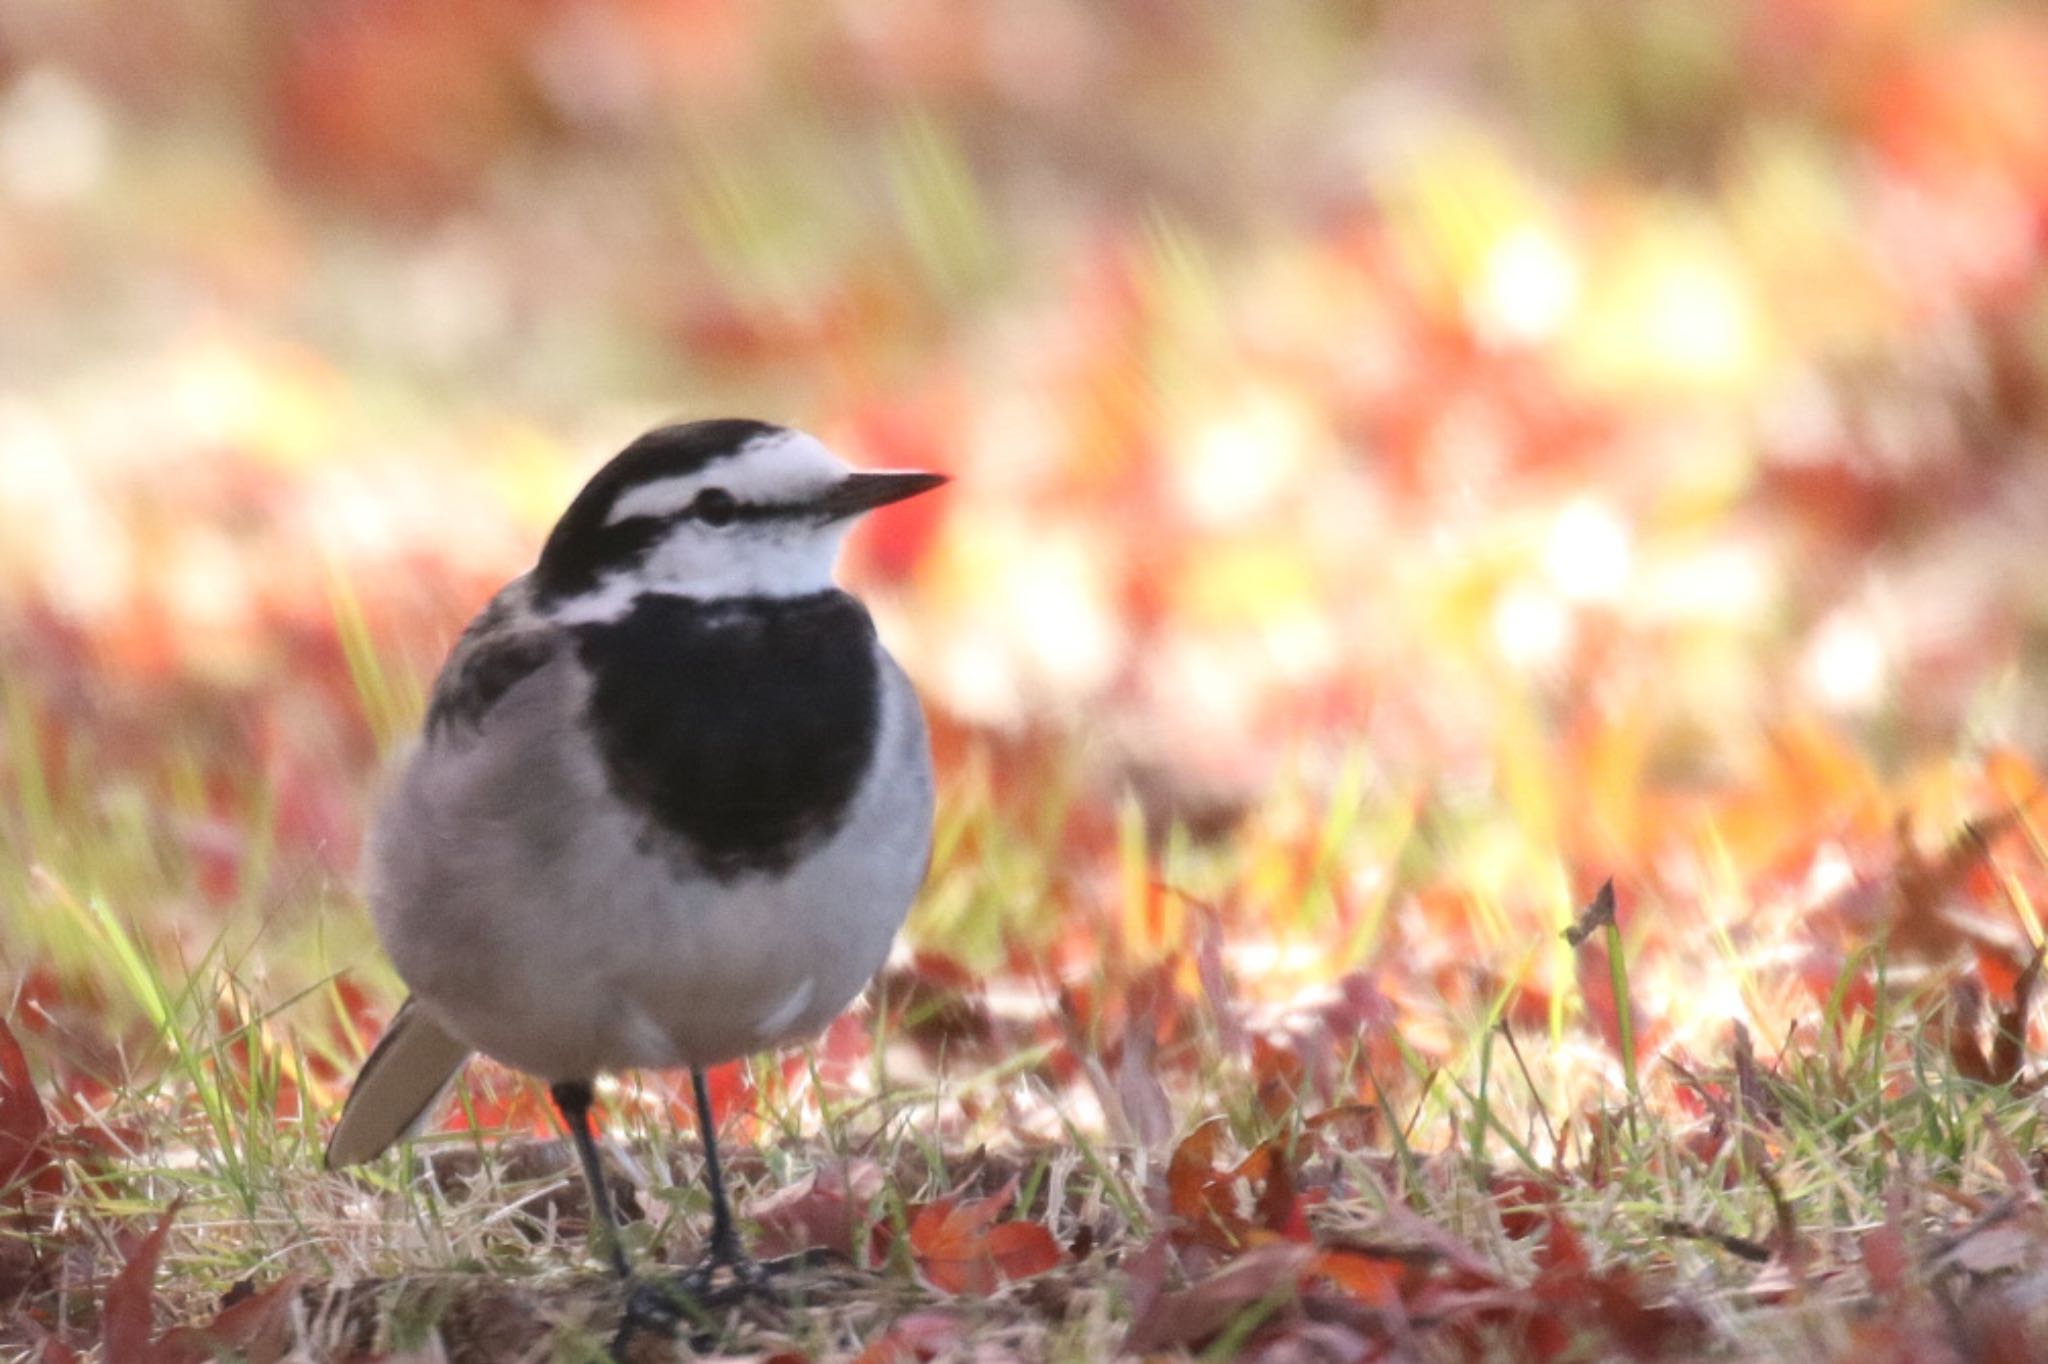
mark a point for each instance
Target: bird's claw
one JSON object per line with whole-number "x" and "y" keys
{"x": 721, "y": 1279}
{"x": 743, "y": 1276}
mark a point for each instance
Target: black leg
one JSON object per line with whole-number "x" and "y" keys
{"x": 725, "y": 1251}
{"x": 574, "y": 1098}
{"x": 725, "y": 1241}
{"x": 658, "y": 1305}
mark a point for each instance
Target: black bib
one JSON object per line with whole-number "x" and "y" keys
{"x": 741, "y": 726}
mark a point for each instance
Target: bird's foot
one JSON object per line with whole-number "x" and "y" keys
{"x": 725, "y": 1277}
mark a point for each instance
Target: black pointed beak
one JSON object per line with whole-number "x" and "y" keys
{"x": 857, "y": 493}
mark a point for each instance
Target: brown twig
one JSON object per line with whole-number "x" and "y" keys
{"x": 1741, "y": 1247}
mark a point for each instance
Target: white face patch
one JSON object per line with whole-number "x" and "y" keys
{"x": 784, "y": 467}
{"x": 765, "y": 557}
{"x": 747, "y": 559}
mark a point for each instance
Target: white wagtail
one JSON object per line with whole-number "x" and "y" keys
{"x": 672, "y": 803}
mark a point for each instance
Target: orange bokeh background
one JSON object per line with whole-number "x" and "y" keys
{"x": 1610, "y": 438}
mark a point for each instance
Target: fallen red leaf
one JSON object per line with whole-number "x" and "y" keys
{"x": 825, "y": 1208}
{"x": 1191, "y": 1316}
{"x": 1965, "y": 1046}
{"x": 1282, "y": 1076}
{"x": 960, "y": 1248}
{"x": 1373, "y": 1280}
{"x": 1191, "y": 1172}
{"x": 1144, "y": 1275}
{"x": 912, "y": 1339}
{"x": 2009, "y": 1036}
{"x": 254, "y": 1330}
{"x": 1140, "y": 1097}
{"x": 1911, "y": 904}
{"x": 1562, "y": 1258}
{"x": 1523, "y": 1202}
{"x": 1347, "y": 1126}
{"x": 1569, "y": 1297}
{"x": 936, "y": 1003}
{"x": 23, "y": 1119}
{"x": 50, "y": 1349}
{"x": 1280, "y": 1208}
{"x": 1204, "y": 1199}
{"x": 1018, "y": 1250}
{"x": 128, "y": 1319}
{"x": 1887, "y": 1259}
{"x": 1214, "y": 975}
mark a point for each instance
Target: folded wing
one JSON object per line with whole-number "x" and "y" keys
{"x": 412, "y": 1063}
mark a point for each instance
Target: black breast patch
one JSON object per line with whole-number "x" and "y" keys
{"x": 740, "y": 726}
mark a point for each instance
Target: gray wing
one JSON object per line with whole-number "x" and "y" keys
{"x": 416, "y": 1059}
{"x": 504, "y": 645}
{"x": 405, "y": 1072}
{"x": 492, "y": 835}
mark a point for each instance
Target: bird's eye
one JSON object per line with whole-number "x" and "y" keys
{"x": 715, "y": 507}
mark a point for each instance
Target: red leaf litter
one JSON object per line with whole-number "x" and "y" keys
{"x": 960, "y": 1247}
{"x": 25, "y": 1161}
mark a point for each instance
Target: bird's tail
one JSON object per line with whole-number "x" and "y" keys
{"x": 406, "y": 1071}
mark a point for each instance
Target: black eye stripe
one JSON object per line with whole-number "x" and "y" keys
{"x": 586, "y": 543}
{"x": 730, "y": 509}
{"x": 717, "y": 508}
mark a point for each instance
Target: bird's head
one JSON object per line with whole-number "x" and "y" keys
{"x": 709, "y": 509}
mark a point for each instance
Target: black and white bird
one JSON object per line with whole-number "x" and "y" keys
{"x": 672, "y": 803}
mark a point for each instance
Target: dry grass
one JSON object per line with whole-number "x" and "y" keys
{"x": 1134, "y": 1040}
{"x": 470, "y": 1247}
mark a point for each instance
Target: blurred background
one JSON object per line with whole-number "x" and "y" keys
{"x": 1419, "y": 458}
